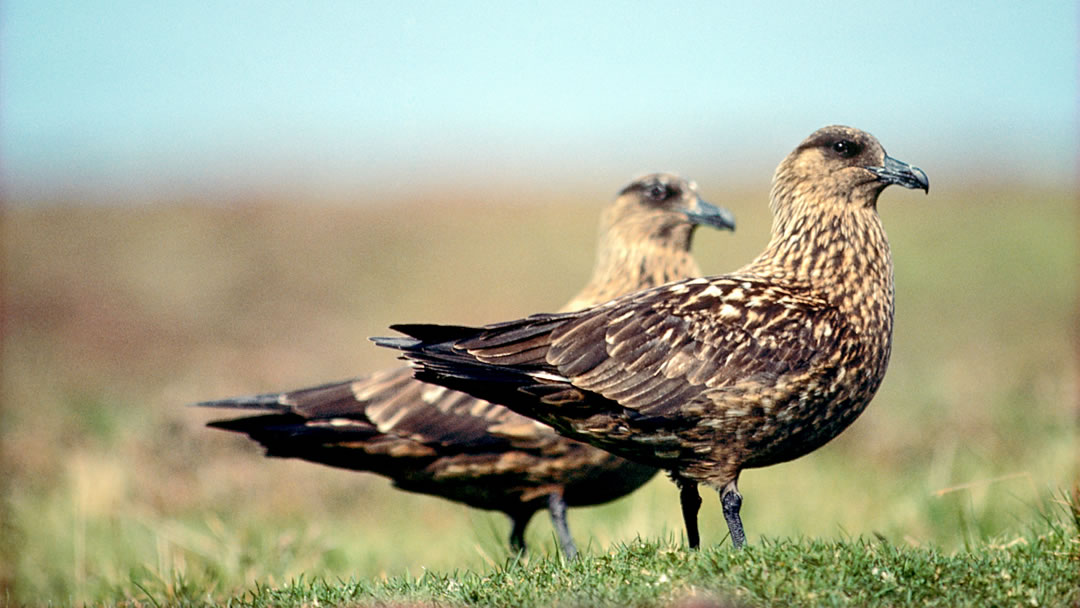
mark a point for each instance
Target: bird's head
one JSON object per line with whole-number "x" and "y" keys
{"x": 842, "y": 165}
{"x": 665, "y": 206}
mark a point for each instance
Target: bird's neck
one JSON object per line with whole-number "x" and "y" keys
{"x": 840, "y": 253}
{"x": 626, "y": 263}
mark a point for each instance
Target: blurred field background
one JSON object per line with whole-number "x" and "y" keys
{"x": 116, "y": 317}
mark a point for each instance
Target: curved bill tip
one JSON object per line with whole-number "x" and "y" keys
{"x": 902, "y": 174}
{"x": 708, "y": 214}
{"x": 922, "y": 179}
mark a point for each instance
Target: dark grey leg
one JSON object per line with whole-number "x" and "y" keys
{"x": 557, "y": 508}
{"x": 517, "y": 533}
{"x": 691, "y": 502}
{"x": 731, "y": 501}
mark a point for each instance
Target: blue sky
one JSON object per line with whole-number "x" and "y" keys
{"x": 131, "y": 98}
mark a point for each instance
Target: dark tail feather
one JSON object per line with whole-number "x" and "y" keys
{"x": 405, "y": 344}
{"x": 507, "y": 356}
{"x": 323, "y": 401}
{"x": 440, "y": 360}
{"x": 292, "y": 436}
{"x": 444, "y": 365}
{"x": 488, "y": 336}
{"x": 429, "y": 332}
{"x": 267, "y": 402}
{"x": 253, "y": 425}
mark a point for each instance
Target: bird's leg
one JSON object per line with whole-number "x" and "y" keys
{"x": 557, "y": 508}
{"x": 731, "y": 501}
{"x": 691, "y": 502}
{"x": 517, "y": 533}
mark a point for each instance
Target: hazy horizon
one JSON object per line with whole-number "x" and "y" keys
{"x": 127, "y": 100}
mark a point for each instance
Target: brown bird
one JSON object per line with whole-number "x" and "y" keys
{"x": 435, "y": 441}
{"x": 710, "y": 376}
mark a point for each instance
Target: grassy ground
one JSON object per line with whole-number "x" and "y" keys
{"x": 116, "y": 317}
{"x": 1040, "y": 570}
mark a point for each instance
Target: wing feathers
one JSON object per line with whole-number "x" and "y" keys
{"x": 649, "y": 352}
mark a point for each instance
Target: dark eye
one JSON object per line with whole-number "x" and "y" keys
{"x": 658, "y": 191}
{"x": 846, "y": 148}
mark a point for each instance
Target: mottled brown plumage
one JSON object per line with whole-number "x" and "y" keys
{"x": 436, "y": 441}
{"x": 707, "y": 377}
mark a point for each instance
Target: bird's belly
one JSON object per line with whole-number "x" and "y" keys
{"x": 807, "y": 420}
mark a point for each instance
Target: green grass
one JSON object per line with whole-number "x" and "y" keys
{"x": 114, "y": 492}
{"x": 1039, "y": 570}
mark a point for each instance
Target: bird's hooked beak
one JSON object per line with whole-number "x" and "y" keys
{"x": 710, "y": 215}
{"x": 900, "y": 173}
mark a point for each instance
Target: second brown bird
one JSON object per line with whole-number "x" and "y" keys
{"x": 432, "y": 440}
